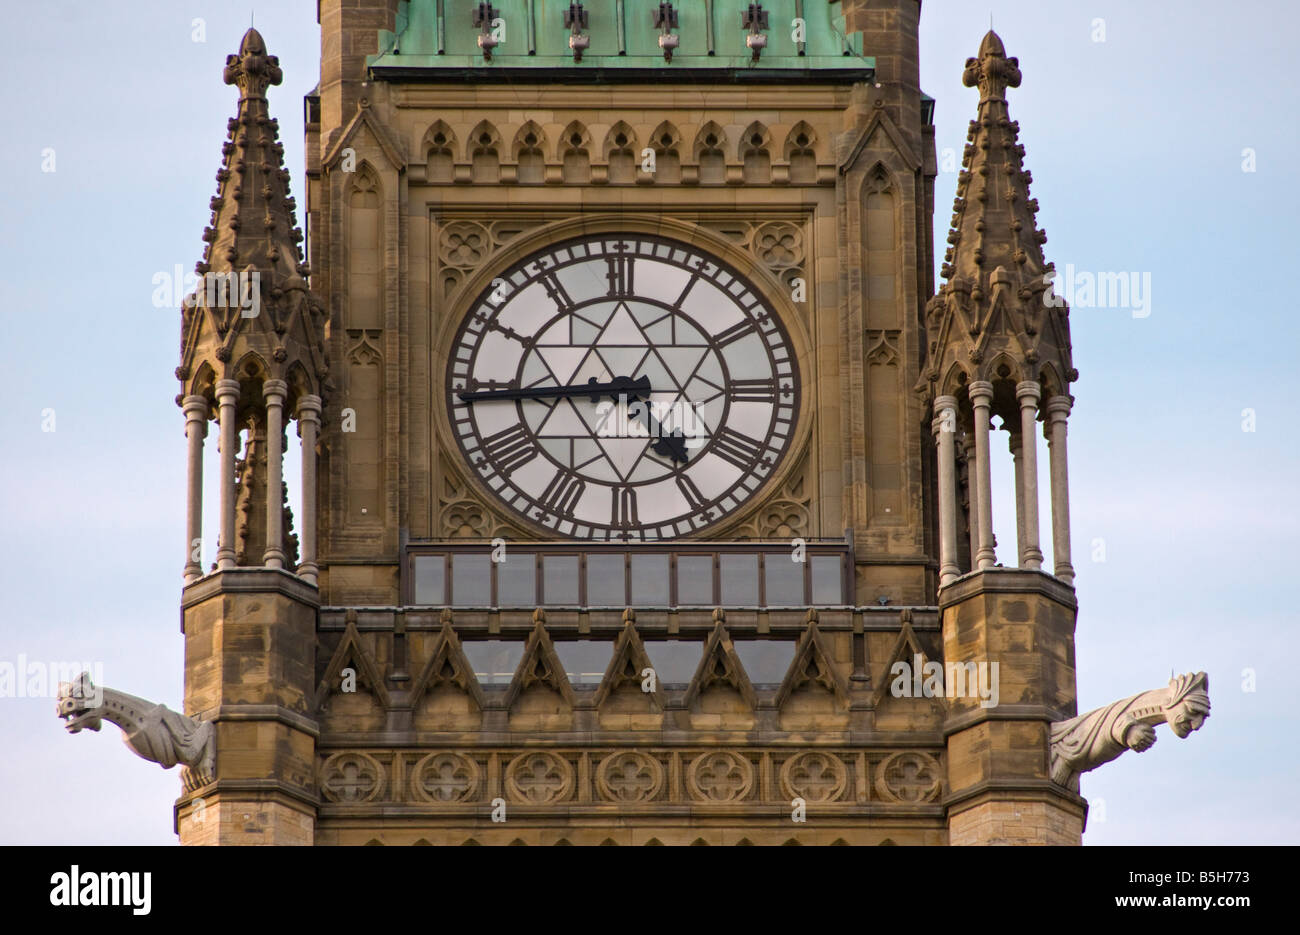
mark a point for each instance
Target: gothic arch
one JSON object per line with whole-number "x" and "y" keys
{"x": 621, "y": 137}
{"x": 666, "y": 141}
{"x": 482, "y": 138}
{"x": 709, "y": 138}
{"x": 439, "y": 149}
{"x": 755, "y": 153}
{"x": 956, "y": 381}
{"x": 364, "y": 189}
{"x": 1051, "y": 382}
{"x": 878, "y": 180}
{"x": 574, "y": 152}
{"x": 800, "y": 152}
{"x": 574, "y": 137}
{"x": 710, "y": 152}
{"x": 439, "y": 136}
{"x": 620, "y": 153}
{"x": 300, "y": 384}
{"x": 203, "y": 383}
{"x": 483, "y": 150}
{"x": 756, "y": 137}
{"x": 252, "y": 368}
{"x": 801, "y": 138}
{"x": 529, "y": 153}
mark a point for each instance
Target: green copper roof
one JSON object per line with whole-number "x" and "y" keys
{"x": 438, "y": 38}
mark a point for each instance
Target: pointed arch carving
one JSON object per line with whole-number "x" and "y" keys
{"x": 573, "y": 149}
{"x": 351, "y": 653}
{"x": 800, "y": 152}
{"x": 755, "y": 153}
{"x": 483, "y": 151}
{"x": 529, "y": 153}
{"x": 720, "y": 693}
{"x": 666, "y": 141}
{"x": 439, "y": 147}
{"x": 620, "y": 153}
{"x": 710, "y": 152}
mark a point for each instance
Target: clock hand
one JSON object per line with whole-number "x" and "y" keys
{"x": 618, "y": 386}
{"x": 669, "y": 444}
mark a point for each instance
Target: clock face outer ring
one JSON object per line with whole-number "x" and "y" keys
{"x": 694, "y": 240}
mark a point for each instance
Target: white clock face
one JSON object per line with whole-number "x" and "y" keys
{"x": 622, "y": 387}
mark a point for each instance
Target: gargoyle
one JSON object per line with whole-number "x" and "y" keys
{"x": 1085, "y": 742}
{"x": 153, "y": 731}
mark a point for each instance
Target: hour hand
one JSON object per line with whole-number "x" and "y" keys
{"x": 668, "y": 444}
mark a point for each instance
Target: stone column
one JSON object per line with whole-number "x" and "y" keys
{"x": 1058, "y": 410}
{"x": 196, "y": 428}
{"x": 945, "y": 429}
{"x": 1016, "y": 445}
{"x": 972, "y": 525}
{"x": 275, "y": 392}
{"x": 227, "y": 397}
{"x": 1028, "y": 392}
{"x": 981, "y": 397}
{"x": 309, "y": 408}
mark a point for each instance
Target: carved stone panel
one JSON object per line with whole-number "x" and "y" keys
{"x": 720, "y": 777}
{"x": 444, "y": 778}
{"x": 539, "y": 779}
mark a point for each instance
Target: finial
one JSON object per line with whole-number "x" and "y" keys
{"x": 992, "y": 71}
{"x": 252, "y": 69}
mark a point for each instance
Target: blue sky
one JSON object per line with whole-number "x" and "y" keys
{"x": 1136, "y": 147}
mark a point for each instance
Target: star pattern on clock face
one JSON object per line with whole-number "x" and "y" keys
{"x": 622, "y": 388}
{"x": 601, "y": 439}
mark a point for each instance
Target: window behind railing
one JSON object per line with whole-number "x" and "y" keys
{"x": 815, "y": 573}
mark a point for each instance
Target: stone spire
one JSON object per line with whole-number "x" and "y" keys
{"x": 253, "y": 214}
{"x": 996, "y": 317}
{"x": 265, "y": 308}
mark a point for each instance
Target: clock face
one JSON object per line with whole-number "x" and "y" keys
{"x": 622, "y": 387}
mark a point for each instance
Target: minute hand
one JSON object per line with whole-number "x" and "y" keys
{"x": 618, "y": 386}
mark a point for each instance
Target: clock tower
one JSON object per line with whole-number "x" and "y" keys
{"x": 637, "y": 499}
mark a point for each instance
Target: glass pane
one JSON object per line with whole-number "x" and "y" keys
{"x": 471, "y": 580}
{"x": 675, "y": 661}
{"x": 827, "y": 584}
{"x": 650, "y": 580}
{"x": 782, "y": 579}
{"x": 560, "y": 579}
{"x": 739, "y": 575}
{"x": 765, "y": 661}
{"x": 494, "y": 661}
{"x": 517, "y": 580}
{"x": 584, "y": 661}
{"x": 605, "y": 581}
{"x": 430, "y": 579}
{"x": 695, "y": 580}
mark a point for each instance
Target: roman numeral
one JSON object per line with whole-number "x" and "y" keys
{"x": 752, "y": 391}
{"x": 562, "y": 494}
{"x": 619, "y": 275}
{"x": 734, "y": 333}
{"x": 510, "y": 449}
{"x": 555, "y": 289}
{"x": 624, "y": 507}
{"x": 736, "y": 448}
{"x": 694, "y": 498}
